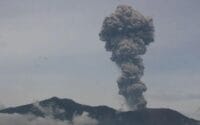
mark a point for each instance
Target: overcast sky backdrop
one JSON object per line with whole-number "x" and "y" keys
{"x": 51, "y": 48}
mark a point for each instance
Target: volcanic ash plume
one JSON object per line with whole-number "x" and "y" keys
{"x": 127, "y": 33}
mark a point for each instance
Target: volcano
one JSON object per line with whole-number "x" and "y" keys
{"x": 103, "y": 114}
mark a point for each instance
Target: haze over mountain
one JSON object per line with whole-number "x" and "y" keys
{"x": 63, "y": 110}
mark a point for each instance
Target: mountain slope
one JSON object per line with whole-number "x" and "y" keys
{"x": 65, "y": 109}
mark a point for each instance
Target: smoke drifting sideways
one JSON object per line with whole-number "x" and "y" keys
{"x": 127, "y": 33}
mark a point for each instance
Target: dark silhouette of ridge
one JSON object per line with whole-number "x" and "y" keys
{"x": 105, "y": 115}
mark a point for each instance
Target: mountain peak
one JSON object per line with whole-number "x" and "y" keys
{"x": 65, "y": 109}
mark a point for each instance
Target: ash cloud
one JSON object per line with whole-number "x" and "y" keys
{"x": 126, "y": 34}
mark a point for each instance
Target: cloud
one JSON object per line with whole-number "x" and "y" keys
{"x": 194, "y": 115}
{"x": 84, "y": 119}
{"x": 17, "y": 119}
{"x": 2, "y": 106}
{"x": 49, "y": 111}
{"x": 29, "y": 119}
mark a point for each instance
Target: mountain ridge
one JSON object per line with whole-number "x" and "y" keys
{"x": 65, "y": 109}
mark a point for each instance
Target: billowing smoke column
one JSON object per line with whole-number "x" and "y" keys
{"x": 127, "y": 33}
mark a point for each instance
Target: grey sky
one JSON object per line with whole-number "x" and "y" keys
{"x": 51, "y": 48}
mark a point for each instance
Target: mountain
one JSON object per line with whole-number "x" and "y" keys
{"x": 65, "y": 109}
